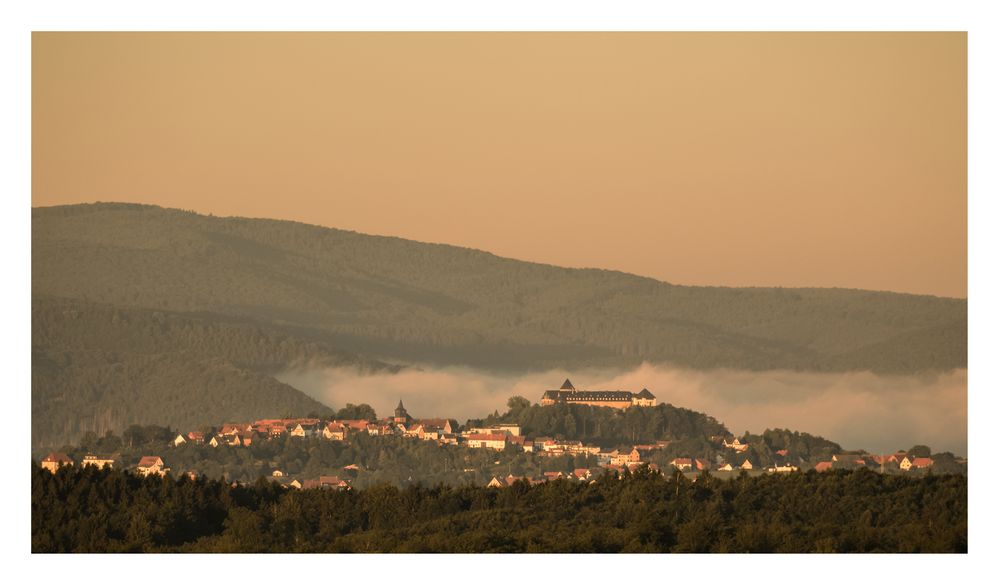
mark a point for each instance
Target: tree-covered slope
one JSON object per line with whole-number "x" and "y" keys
{"x": 90, "y": 510}
{"x": 396, "y": 298}
{"x": 100, "y": 368}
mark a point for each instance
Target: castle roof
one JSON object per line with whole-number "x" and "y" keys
{"x": 645, "y": 394}
{"x": 567, "y": 385}
{"x": 588, "y": 395}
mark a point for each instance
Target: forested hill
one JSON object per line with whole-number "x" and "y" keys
{"x": 393, "y": 298}
{"x": 101, "y": 368}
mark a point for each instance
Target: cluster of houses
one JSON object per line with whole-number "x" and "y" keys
{"x": 900, "y": 460}
{"x": 327, "y": 482}
{"x": 441, "y": 430}
{"x": 148, "y": 465}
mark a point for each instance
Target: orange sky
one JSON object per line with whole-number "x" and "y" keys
{"x": 749, "y": 159}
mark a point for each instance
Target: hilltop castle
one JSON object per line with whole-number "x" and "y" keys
{"x": 568, "y": 394}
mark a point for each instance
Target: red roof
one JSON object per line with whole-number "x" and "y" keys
{"x": 57, "y": 457}
{"x": 511, "y": 479}
{"x": 149, "y": 461}
{"x": 922, "y": 461}
{"x": 823, "y": 466}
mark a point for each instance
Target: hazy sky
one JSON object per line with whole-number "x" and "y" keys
{"x": 809, "y": 159}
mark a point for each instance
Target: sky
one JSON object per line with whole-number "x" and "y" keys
{"x": 731, "y": 159}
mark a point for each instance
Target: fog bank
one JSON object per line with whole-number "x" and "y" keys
{"x": 856, "y": 409}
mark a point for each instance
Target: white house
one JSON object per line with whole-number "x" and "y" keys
{"x": 151, "y": 465}
{"x": 53, "y": 461}
{"x": 736, "y": 444}
{"x": 487, "y": 441}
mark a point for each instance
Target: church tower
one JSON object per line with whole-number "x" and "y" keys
{"x": 401, "y": 416}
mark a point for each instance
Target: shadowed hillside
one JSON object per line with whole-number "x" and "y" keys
{"x": 399, "y": 299}
{"x": 99, "y": 368}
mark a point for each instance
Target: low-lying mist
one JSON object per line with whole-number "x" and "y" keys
{"x": 856, "y": 409}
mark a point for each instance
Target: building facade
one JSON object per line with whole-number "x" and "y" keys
{"x": 568, "y": 394}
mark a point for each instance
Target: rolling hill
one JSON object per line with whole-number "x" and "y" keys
{"x": 400, "y": 299}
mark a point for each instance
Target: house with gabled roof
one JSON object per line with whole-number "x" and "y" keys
{"x": 305, "y": 429}
{"x": 512, "y": 479}
{"x": 495, "y": 482}
{"x": 682, "y": 463}
{"x": 335, "y": 431}
{"x": 286, "y": 482}
{"x": 736, "y": 445}
{"x": 328, "y": 482}
{"x": 229, "y": 429}
{"x": 633, "y": 465}
{"x": 355, "y": 424}
{"x": 520, "y": 441}
{"x": 53, "y": 461}
{"x": 151, "y": 465}
{"x": 909, "y": 463}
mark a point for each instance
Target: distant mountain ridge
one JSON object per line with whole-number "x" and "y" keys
{"x": 396, "y": 299}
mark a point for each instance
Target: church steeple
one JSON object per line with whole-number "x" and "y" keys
{"x": 400, "y": 413}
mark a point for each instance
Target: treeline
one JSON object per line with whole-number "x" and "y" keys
{"x": 111, "y": 511}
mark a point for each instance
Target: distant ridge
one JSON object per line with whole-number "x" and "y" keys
{"x": 392, "y": 298}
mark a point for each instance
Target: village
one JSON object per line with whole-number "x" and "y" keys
{"x": 446, "y": 432}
